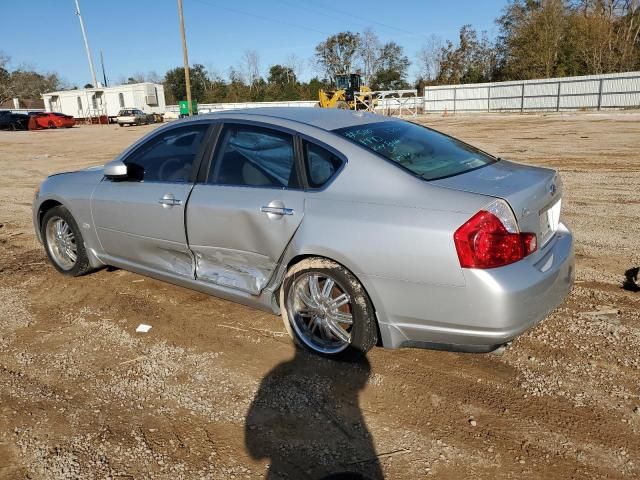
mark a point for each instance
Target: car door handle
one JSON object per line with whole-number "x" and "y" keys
{"x": 277, "y": 210}
{"x": 169, "y": 201}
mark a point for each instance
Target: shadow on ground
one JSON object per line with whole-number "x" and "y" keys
{"x": 306, "y": 420}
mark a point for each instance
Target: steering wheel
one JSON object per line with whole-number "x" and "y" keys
{"x": 162, "y": 172}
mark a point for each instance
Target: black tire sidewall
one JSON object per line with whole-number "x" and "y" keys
{"x": 364, "y": 331}
{"x": 82, "y": 264}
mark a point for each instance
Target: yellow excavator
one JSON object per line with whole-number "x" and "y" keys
{"x": 349, "y": 93}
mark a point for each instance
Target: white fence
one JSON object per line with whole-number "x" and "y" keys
{"x": 22, "y": 110}
{"x": 597, "y": 92}
{"x": 591, "y": 92}
{"x": 217, "y": 107}
{"x": 395, "y": 105}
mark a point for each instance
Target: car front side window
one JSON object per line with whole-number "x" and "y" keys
{"x": 256, "y": 157}
{"x": 169, "y": 157}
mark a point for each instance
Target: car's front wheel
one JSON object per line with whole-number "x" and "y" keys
{"x": 63, "y": 242}
{"x": 326, "y": 310}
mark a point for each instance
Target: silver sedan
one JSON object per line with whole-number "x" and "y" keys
{"x": 358, "y": 229}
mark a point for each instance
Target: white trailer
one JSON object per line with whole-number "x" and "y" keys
{"x": 106, "y": 101}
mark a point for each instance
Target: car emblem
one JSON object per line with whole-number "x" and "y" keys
{"x": 552, "y": 189}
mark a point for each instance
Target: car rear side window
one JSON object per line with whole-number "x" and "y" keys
{"x": 420, "y": 150}
{"x": 321, "y": 164}
{"x": 168, "y": 157}
{"x": 255, "y": 157}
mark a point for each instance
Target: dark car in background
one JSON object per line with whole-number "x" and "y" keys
{"x": 13, "y": 121}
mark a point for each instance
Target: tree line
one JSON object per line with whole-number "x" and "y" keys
{"x": 384, "y": 66}
{"x": 24, "y": 81}
{"x": 541, "y": 39}
{"x": 536, "y": 39}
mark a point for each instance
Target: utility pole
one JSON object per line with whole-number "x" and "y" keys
{"x": 86, "y": 46}
{"x": 104, "y": 74}
{"x": 187, "y": 81}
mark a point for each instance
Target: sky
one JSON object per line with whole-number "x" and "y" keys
{"x": 144, "y": 35}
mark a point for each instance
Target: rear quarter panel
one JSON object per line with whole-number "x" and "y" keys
{"x": 380, "y": 222}
{"x": 403, "y": 243}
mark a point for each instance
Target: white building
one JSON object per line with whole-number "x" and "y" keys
{"x": 94, "y": 102}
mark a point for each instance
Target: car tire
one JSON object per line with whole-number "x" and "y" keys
{"x": 315, "y": 331}
{"x": 57, "y": 245}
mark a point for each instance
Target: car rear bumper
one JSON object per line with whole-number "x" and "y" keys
{"x": 494, "y": 306}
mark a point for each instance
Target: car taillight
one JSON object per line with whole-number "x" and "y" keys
{"x": 491, "y": 239}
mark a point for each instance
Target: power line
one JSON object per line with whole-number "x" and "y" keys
{"x": 262, "y": 17}
{"x": 318, "y": 11}
{"x": 368, "y": 21}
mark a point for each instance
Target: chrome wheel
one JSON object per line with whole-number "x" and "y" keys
{"x": 320, "y": 312}
{"x": 61, "y": 243}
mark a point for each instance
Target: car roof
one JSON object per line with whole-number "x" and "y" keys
{"x": 324, "y": 118}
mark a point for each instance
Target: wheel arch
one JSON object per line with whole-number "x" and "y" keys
{"x": 295, "y": 259}
{"x": 44, "y": 208}
{"x": 88, "y": 235}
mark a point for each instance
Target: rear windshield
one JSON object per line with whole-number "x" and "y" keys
{"x": 424, "y": 152}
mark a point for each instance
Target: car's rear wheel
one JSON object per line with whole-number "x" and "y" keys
{"x": 63, "y": 242}
{"x": 326, "y": 310}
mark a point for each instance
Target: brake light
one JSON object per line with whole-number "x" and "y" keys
{"x": 491, "y": 239}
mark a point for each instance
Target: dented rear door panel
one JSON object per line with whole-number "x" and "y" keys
{"x": 235, "y": 241}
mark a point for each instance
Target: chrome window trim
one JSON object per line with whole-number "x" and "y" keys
{"x": 250, "y": 123}
{"x": 343, "y": 158}
{"x": 197, "y": 161}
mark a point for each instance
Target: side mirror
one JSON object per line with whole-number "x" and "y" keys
{"x": 115, "y": 170}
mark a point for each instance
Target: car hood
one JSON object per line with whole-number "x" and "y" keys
{"x": 95, "y": 170}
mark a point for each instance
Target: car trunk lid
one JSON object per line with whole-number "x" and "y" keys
{"x": 534, "y": 193}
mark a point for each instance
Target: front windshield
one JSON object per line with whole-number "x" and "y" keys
{"x": 342, "y": 82}
{"x": 424, "y": 152}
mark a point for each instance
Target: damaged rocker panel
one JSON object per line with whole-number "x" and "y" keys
{"x": 245, "y": 271}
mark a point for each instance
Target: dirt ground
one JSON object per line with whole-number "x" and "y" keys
{"x": 216, "y": 390}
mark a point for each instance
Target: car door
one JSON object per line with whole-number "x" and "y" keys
{"x": 140, "y": 220}
{"x": 240, "y": 220}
